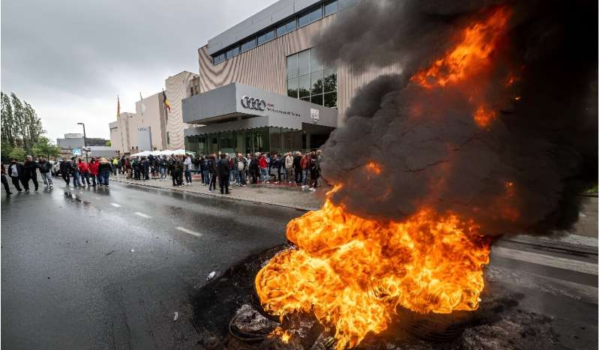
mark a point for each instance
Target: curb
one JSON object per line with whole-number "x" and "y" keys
{"x": 217, "y": 195}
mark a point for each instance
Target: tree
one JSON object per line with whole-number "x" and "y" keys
{"x": 108, "y": 143}
{"x": 43, "y": 147}
{"x": 18, "y": 153}
{"x": 21, "y": 127}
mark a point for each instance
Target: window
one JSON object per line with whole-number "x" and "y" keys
{"x": 281, "y": 30}
{"x": 248, "y": 45}
{"x": 233, "y": 52}
{"x": 309, "y": 80}
{"x": 292, "y": 66}
{"x": 218, "y": 59}
{"x": 268, "y": 36}
{"x": 331, "y": 8}
{"x": 291, "y": 25}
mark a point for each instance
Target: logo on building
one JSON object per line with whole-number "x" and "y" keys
{"x": 254, "y": 103}
{"x": 314, "y": 115}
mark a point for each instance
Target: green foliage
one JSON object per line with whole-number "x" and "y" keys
{"x": 43, "y": 147}
{"x": 108, "y": 143}
{"x": 5, "y": 150}
{"x": 18, "y": 153}
{"x": 21, "y": 127}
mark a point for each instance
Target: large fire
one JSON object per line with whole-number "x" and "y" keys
{"x": 354, "y": 273}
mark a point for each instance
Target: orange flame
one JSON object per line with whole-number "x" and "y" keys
{"x": 469, "y": 56}
{"x": 353, "y": 273}
{"x": 484, "y": 117}
{"x": 374, "y": 167}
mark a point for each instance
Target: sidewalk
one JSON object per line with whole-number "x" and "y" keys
{"x": 279, "y": 195}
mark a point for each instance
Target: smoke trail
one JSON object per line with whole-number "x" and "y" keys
{"x": 523, "y": 170}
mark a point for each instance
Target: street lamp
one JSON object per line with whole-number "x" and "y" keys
{"x": 84, "y": 142}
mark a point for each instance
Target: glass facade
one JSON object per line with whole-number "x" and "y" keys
{"x": 309, "y": 80}
{"x": 267, "y": 139}
{"x": 305, "y": 18}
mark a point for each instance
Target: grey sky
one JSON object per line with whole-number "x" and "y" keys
{"x": 70, "y": 58}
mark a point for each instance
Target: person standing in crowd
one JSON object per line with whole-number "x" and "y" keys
{"x": 223, "y": 172}
{"x": 314, "y": 171}
{"x": 145, "y": 167}
{"x": 305, "y": 164}
{"x": 254, "y": 169}
{"x": 264, "y": 166}
{"x": 242, "y": 166}
{"x": 187, "y": 163}
{"x": 65, "y": 170}
{"x": 289, "y": 167}
{"x": 212, "y": 169}
{"x": 45, "y": 168}
{"x": 298, "y": 168}
{"x": 162, "y": 167}
{"x": 15, "y": 171}
{"x": 233, "y": 172}
{"x": 5, "y": 180}
{"x": 176, "y": 170}
{"x": 137, "y": 167}
{"x": 128, "y": 169}
{"x": 30, "y": 173}
{"x": 94, "y": 170}
{"x": 75, "y": 173}
{"x": 206, "y": 171}
{"x": 276, "y": 165}
{"x": 104, "y": 168}
{"x": 115, "y": 166}
{"x": 84, "y": 172}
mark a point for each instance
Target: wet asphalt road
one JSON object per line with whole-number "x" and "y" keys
{"x": 109, "y": 268}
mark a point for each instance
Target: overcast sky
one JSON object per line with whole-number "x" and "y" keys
{"x": 71, "y": 58}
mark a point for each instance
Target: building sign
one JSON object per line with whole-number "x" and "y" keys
{"x": 314, "y": 115}
{"x": 76, "y": 151}
{"x": 144, "y": 138}
{"x": 254, "y": 103}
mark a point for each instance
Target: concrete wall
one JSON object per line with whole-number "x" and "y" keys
{"x": 265, "y": 66}
{"x": 116, "y": 137}
{"x": 178, "y": 87}
{"x": 154, "y": 117}
{"x": 70, "y": 143}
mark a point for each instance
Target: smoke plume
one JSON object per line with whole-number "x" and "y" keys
{"x": 511, "y": 147}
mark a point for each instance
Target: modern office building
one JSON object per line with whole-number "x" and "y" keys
{"x": 145, "y": 130}
{"x": 262, "y": 88}
{"x": 177, "y": 88}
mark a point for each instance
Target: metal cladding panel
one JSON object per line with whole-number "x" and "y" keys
{"x": 258, "y": 22}
{"x": 213, "y": 103}
{"x": 235, "y": 99}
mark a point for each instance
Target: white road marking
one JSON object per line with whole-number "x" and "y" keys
{"x": 190, "y": 232}
{"x": 98, "y": 198}
{"x": 541, "y": 259}
{"x": 145, "y": 216}
{"x": 115, "y": 205}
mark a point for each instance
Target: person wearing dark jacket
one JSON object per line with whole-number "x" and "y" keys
{"x": 298, "y": 167}
{"x": 15, "y": 171}
{"x": 4, "y": 180}
{"x": 30, "y": 173}
{"x": 212, "y": 169}
{"x": 223, "y": 172}
{"x": 65, "y": 170}
{"x": 105, "y": 168}
{"x": 75, "y": 172}
{"x": 45, "y": 168}
{"x": 253, "y": 169}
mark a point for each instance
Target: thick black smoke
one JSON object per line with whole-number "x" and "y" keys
{"x": 523, "y": 172}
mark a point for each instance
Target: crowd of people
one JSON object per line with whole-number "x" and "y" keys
{"x": 295, "y": 169}
{"x": 226, "y": 169}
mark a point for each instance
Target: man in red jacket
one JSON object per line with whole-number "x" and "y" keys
{"x": 84, "y": 171}
{"x": 264, "y": 166}
{"x": 93, "y": 168}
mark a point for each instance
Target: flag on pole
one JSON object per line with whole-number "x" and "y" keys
{"x": 143, "y": 104}
{"x": 118, "y": 107}
{"x": 166, "y": 102}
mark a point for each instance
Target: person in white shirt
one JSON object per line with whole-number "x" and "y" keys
{"x": 187, "y": 163}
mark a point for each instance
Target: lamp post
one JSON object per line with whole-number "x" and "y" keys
{"x": 84, "y": 142}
